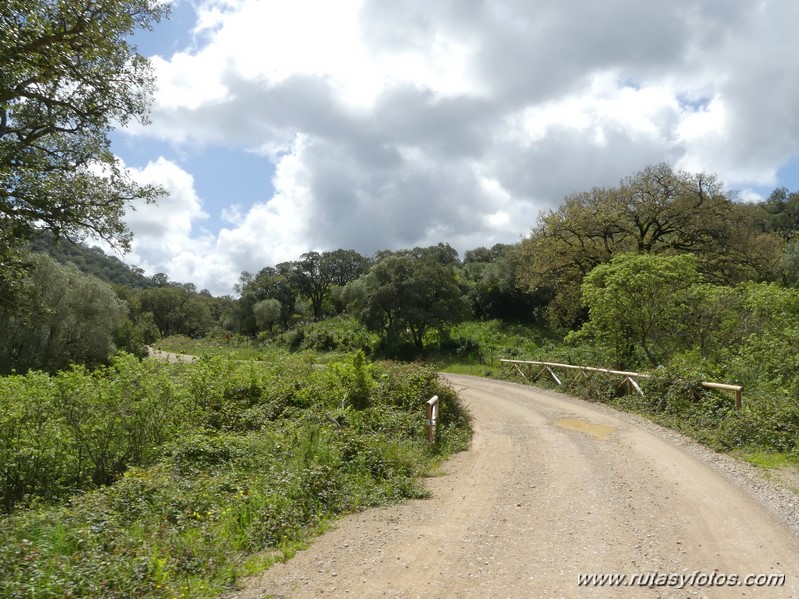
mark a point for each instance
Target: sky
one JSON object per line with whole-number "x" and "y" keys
{"x": 285, "y": 127}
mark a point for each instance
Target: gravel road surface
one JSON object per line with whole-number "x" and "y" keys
{"x": 554, "y": 488}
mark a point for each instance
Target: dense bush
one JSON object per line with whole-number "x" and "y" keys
{"x": 66, "y": 317}
{"x": 490, "y": 340}
{"x": 647, "y": 310}
{"x": 766, "y": 421}
{"x": 340, "y": 334}
{"x": 78, "y": 429}
{"x": 213, "y": 463}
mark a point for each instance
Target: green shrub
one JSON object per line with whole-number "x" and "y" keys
{"x": 340, "y": 334}
{"x": 80, "y": 429}
{"x": 257, "y": 456}
{"x": 485, "y": 341}
{"x": 36, "y": 453}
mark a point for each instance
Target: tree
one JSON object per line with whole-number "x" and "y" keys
{"x": 161, "y": 279}
{"x": 224, "y": 312}
{"x": 406, "y": 295}
{"x": 72, "y": 317}
{"x": 267, "y": 313}
{"x": 442, "y": 253}
{"x": 269, "y": 283}
{"x": 788, "y": 266}
{"x": 176, "y": 310}
{"x": 751, "y": 330}
{"x": 345, "y": 266}
{"x": 658, "y": 211}
{"x": 634, "y": 300}
{"x": 490, "y": 276}
{"x": 782, "y": 212}
{"x": 314, "y": 275}
{"x": 69, "y": 75}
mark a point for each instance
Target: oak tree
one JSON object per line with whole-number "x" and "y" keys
{"x": 406, "y": 294}
{"x": 316, "y": 274}
{"x": 656, "y": 211}
{"x": 71, "y": 319}
{"x": 69, "y": 76}
{"x": 270, "y": 283}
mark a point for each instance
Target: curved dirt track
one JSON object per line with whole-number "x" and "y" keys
{"x": 552, "y": 488}
{"x": 166, "y": 356}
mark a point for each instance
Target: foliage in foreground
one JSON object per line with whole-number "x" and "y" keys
{"x": 248, "y": 459}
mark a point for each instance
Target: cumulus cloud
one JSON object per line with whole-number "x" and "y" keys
{"x": 168, "y": 236}
{"x": 392, "y": 124}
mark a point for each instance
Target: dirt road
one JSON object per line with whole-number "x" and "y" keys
{"x": 554, "y": 488}
{"x": 169, "y": 356}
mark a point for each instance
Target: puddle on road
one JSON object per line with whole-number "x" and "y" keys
{"x": 597, "y": 431}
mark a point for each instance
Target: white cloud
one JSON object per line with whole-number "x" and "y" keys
{"x": 164, "y": 234}
{"x": 394, "y": 124}
{"x": 184, "y": 84}
{"x": 167, "y": 238}
{"x": 232, "y": 214}
{"x": 174, "y": 213}
{"x": 275, "y": 231}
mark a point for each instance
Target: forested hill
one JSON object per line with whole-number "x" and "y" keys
{"x": 93, "y": 261}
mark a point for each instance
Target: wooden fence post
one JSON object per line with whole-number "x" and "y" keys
{"x": 431, "y": 413}
{"x": 737, "y": 389}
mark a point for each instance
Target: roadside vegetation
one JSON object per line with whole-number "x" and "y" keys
{"x": 123, "y": 476}
{"x": 148, "y": 479}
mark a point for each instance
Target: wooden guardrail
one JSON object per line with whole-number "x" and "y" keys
{"x": 431, "y": 413}
{"x": 737, "y": 389}
{"x": 630, "y": 383}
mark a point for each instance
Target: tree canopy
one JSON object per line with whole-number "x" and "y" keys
{"x": 267, "y": 313}
{"x": 782, "y": 210}
{"x": 177, "y": 310}
{"x": 69, "y": 75}
{"x": 490, "y": 277}
{"x": 314, "y": 274}
{"x": 406, "y": 294}
{"x": 71, "y": 318}
{"x": 633, "y": 301}
{"x": 658, "y": 210}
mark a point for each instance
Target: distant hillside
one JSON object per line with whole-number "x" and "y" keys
{"x": 93, "y": 261}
